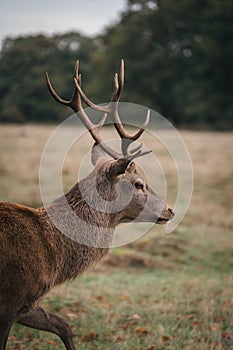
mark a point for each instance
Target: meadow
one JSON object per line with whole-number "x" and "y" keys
{"x": 163, "y": 291}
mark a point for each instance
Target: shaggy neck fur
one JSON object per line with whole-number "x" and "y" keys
{"x": 86, "y": 232}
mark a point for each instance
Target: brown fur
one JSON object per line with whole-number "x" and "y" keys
{"x": 35, "y": 256}
{"x": 40, "y": 248}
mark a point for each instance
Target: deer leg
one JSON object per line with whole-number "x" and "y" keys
{"x": 46, "y": 321}
{"x": 6, "y": 322}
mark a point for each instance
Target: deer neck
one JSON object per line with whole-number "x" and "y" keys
{"x": 80, "y": 216}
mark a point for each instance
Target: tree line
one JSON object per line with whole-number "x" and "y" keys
{"x": 178, "y": 58}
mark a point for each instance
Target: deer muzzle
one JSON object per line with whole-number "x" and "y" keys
{"x": 166, "y": 215}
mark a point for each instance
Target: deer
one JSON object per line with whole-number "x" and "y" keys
{"x": 35, "y": 253}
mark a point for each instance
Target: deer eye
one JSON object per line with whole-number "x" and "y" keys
{"x": 139, "y": 185}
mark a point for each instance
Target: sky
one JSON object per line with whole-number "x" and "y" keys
{"x": 23, "y": 17}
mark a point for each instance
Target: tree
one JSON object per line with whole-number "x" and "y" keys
{"x": 23, "y": 63}
{"x": 178, "y": 58}
{"x": 178, "y": 61}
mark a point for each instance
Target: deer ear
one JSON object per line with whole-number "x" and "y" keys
{"x": 132, "y": 168}
{"x": 118, "y": 167}
{"x": 97, "y": 153}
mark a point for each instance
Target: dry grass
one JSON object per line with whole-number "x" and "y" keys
{"x": 180, "y": 285}
{"x": 211, "y": 154}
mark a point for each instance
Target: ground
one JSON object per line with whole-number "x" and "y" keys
{"x": 163, "y": 291}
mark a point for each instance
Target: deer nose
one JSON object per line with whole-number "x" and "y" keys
{"x": 171, "y": 211}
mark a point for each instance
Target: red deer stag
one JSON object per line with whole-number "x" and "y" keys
{"x": 35, "y": 255}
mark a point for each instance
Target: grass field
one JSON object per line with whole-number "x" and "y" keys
{"x": 160, "y": 292}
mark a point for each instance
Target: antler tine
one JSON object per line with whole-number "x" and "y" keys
{"x": 120, "y": 129}
{"x": 75, "y": 101}
{"x": 94, "y": 131}
{"x": 122, "y": 79}
{"x": 53, "y": 92}
{"x": 76, "y": 68}
{"x": 86, "y": 99}
{"x": 92, "y": 128}
{"x": 126, "y": 138}
{"x": 138, "y": 154}
{"x": 110, "y": 109}
{"x": 118, "y": 85}
{"x": 76, "y": 105}
{"x": 117, "y": 91}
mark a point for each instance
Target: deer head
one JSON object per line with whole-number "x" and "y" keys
{"x": 36, "y": 255}
{"x": 115, "y": 186}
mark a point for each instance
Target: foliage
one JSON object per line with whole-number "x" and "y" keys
{"x": 178, "y": 58}
{"x": 23, "y": 64}
{"x": 178, "y": 61}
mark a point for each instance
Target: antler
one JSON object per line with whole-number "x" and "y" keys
{"x": 76, "y": 105}
{"x": 110, "y": 109}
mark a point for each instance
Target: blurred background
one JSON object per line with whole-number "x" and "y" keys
{"x": 167, "y": 292}
{"x": 178, "y": 57}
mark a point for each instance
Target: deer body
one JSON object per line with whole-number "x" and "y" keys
{"x": 36, "y": 255}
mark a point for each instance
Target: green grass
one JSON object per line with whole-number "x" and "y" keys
{"x": 172, "y": 292}
{"x": 132, "y": 309}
